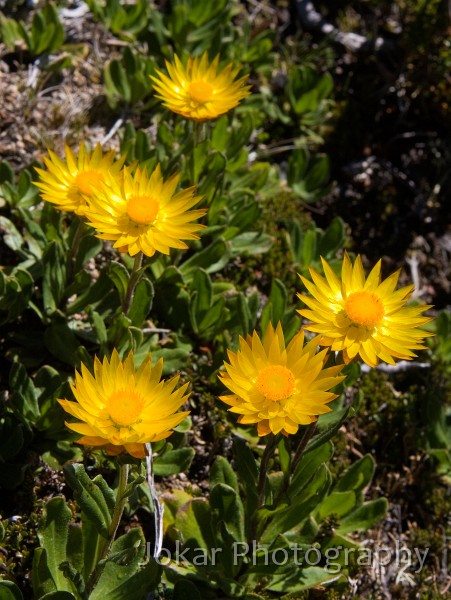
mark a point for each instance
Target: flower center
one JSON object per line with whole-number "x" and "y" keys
{"x": 87, "y": 181}
{"x": 275, "y": 382}
{"x": 142, "y": 209}
{"x": 200, "y": 91}
{"x": 125, "y": 407}
{"x": 364, "y": 308}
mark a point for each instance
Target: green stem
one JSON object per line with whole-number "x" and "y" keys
{"x": 271, "y": 443}
{"x": 115, "y": 520}
{"x": 135, "y": 276}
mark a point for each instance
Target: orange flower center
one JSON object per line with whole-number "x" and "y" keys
{"x": 87, "y": 181}
{"x": 200, "y": 91}
{"x": 364, "y": 308}
{"x": 125, "y": 407}
{"x": 275, "y": 382}
{"x": 142, "y": 209}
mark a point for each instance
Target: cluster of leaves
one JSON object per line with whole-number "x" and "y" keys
{"x": 44, "y": 35}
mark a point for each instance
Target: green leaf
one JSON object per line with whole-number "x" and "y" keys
{"x": 201, "y": 297}
{"x": 193, "y": 526}
{"x": 23, "y": 392}
{"x": 58, "y": 596}
{"x": 99, "y": 328}
{"x": 308, "y": 578}
{"x": 219, "y": 135}
{"x": 251, "y": 242}
{"x": 9, "y": 591}
{"x": 364, "y": 517}
{"x": 116, "y": 81}
{"x": 226, "y": 506}
{"x": 337, "y": 503}
{"x": 142, "y": 302}
{"x": 318, "y": 174}
{"x": 74, "y": 576}
{"x": 174, "y": 461}
{"x": 357, "y": 476}
{"x": 333, "y": 238}
{"x": 117, "y": 580}
{"x": 90, "y": 497}
{"x": 246, "y": 216}
{"x": 284, "y": 455}
{"x": 119, "y": 276}
{"x": 94, "y": 296}
{"x": 74, "y": 552}
{"x": 41, "y": 577}
{"x": 131, "y": 548}
{"x": 92, "y": 546}
{"x": 308, "y": 248}
{"x": 308, "y": 466}
{"x": 325, "y": 435}
{"x": 54, "y": 276}
{"x": 275, "y": 308}
{"x": 247, "y": 470}
{"x": 53, "y": 534}
{"x": 11, "y": 235}
{"x": 212, "y": 258}
{"x": 213, "y": 321}
{"x": 286, "y": 519}
{"x": 62, "y": 343}
{"x": 90, "y": 247}
{"x": 222, "y": 472}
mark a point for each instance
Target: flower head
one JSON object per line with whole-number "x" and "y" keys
{"x": 68, "y": 184}
{"x": 278, "y": 387}
{"x": 142, "y": 213}
{"x": 198, "y": 91}
{"x": 363, "y": 316}
{"x": 122, "y": 409}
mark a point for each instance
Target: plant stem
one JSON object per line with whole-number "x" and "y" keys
{"x": 135, "y": 276}
{"x": 271, "y": 443}
{"x": 115, "y": 520}
{"x": 158, "y": 507}
{"x": 266, "y": 456}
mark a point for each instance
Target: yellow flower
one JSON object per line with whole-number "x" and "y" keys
{"x": 68, "y": 184}
{"x": 363, "y": 316}
{"x": 121, "y": 409}
{"x": 276, "y": 387}
{"x": 198, "y": 91}
{"x": 144, "y": 214}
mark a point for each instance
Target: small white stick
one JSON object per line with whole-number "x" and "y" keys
{"x": 158, "y": 507}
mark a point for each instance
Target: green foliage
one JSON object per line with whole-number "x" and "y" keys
{"x": 44, "y": 36}
{"x": 127, "y": 80}
{"x": 69, "y": 552}
{"x": 127, "y": 20}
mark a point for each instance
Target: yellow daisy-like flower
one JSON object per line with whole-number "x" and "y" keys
{"x": 363, "y": 316}
{"x": 142, "y": 213}
{"x": 278, "y": 387}
{"x": 68, "y": 184}
{"x": 121, "y": 409}
{"x": 198, "y": 91}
